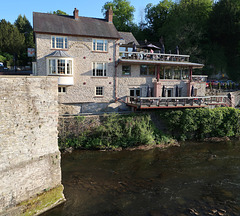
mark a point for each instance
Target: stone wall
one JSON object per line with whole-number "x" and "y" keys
{"x": 201, "y": 88}
{"x": 29, "y": 155}
{"x": 75, "y": 125}
{"x": 80, "y": 49}
{"x": 236, "y": 98}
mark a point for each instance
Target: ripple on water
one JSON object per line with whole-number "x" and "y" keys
{"x": 197, "y": 178}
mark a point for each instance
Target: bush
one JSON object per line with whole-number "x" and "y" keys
{"x": 202, "y": 123}
{"x": 117, "y": 131}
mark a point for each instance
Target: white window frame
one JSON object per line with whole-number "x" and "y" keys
{"x": 96, "y": 45}
{"x": 54, "y": 42}
{"x": 102, "y": 89}
{"x": 57, "y": 66}
{"x": 94, "y": 69}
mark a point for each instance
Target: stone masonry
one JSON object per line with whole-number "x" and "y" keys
{"x": 80, "y": 97}
{"x": 29, "y": 155}
{"x": 80, "y": 49}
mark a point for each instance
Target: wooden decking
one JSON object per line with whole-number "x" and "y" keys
{"x": 176, "y": 102}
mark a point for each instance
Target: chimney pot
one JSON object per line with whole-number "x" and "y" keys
{"x": 75, "y": 13}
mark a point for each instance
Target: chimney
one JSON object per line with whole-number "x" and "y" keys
{"x": 75, "y": 13}
{"x": 109, "y": 15}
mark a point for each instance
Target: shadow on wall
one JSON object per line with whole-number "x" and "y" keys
{"x": 92, "y": 108}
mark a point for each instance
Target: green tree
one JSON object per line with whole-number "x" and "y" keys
{"x": 224, "y": 25}
{"x": 11, "y": 40}
{"x": 2, "y": 58}
{"x": 156, "y": 16}
{"x": 122, "y": 14}
{"x": 186, "y": 27}
{"x": 59, "y": 12}
{"x": 24, "y": 26}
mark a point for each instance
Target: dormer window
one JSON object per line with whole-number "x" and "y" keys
{"x": 100, "y": 45}
{"x": 59, "y": 42}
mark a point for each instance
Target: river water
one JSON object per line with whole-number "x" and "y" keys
{"x": 194, "y": 179}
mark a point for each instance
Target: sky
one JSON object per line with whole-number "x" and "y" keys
{"x": 10, "y": 9}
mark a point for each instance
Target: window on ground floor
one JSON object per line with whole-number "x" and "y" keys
{"x": 135, "y": 92}
{"x": 180, "y": 90}
{"x": 61, "y": 89}
{"x": 169, "y": 92}
{"x": 99, "y": 91}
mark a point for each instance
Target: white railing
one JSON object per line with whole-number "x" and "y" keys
{"x": 153, "y": 56}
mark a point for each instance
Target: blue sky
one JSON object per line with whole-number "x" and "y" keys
{"x": 10, "y": 9}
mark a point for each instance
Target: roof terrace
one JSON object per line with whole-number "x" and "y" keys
{"x": 157, "y": 58}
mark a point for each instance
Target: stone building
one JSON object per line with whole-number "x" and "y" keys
{"x": 97, "y": 68}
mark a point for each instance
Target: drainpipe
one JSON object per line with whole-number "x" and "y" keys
{"x": 115, "y": 71}
{"x": 190, "y": 80}
{"x": 158, "y": 73}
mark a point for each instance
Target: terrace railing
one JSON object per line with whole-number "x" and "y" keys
{"x": 143, "y": 56}
{"x": 177, "y": 102}
{"x": 199, "y": 78}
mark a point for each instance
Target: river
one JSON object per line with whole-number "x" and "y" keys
{"x": 194, "y": 179}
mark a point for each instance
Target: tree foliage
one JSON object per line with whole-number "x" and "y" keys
{"x": 59, "y": 12}
{"x": 24, "y": 27}
{"x": 157, "y": 15}
{"x": 122, "y": 14}
{"x": 23, "y": 24}
{"x": 11, "y": 40}
{"x": 203, "y": 123}
{"x": 208, "y": 31}
{"x": 224, "y": 28}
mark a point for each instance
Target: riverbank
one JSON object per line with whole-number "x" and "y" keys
{"x": 148, "y": 130}
{"x": 111, "y": 132}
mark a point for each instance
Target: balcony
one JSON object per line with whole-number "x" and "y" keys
{"x": 66, "y": 81}
{"x": 157, "y": 58}
{"x": 153, "y": 56}
{"x": 178, "y": 102}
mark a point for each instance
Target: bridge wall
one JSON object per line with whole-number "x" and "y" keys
{"x": 30, "y": 172}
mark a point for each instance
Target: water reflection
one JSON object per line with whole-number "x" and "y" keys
{"x": 195, "y": 179}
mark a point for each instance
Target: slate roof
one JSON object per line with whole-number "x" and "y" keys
{"x": 59, "y": 53}
{"x": 128, "y": 37}
{"x": 67, "y": 25}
